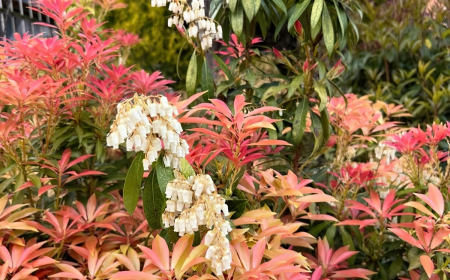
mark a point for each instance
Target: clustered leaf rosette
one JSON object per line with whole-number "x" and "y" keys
{"x": 193, "y": 203}
{"x": 198, "y": 24}
{"x": 148, "y": 124}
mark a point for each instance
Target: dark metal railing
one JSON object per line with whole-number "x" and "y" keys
{"x": 17, "y": 17}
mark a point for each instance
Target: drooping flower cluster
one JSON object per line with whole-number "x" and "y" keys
{"x": 148, "y": 124}
{"x": 385, "y": 151}
{"x": 198, "y": 25}
{"x": 195, "y": 202}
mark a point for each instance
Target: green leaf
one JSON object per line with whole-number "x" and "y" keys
{"x": 226, "y": 30}
{"x": 214, "y": 8}
{"x": 251, "y": 8}
{"x": 294, "y": 85}
{"x": 19, "y": 181}
{"x": 153, "y": 201}
{"x": 186, "y": 169}
{"x": 99, "y": 149}
{"x": 133, "y": 181}
{"x": 207, "y": 83}
{"x": 274, "y": 90}
{"x": 331, "y": 233}
{"x": 297, "y": 11}
{"x": 280, "y": 5}
{"x": 279, "y": 26}
{"x": 316, "y": 30}
{"x": 316, "y": 129}
{"x": 407, "y": 218}
{"x": 223, "y": 67}
{"x": 316, "y": 12}
{"x": 342, "y": 17}
{"x": 234, "y": 179}
{"x": 395, "y": 267}
{"x": 299, "y": 123}
{"x": 322, "y": 92}
{"x": 237, "y": 206}
{"x": 415, "y": 263}
{"x": 163, "y": 174}
{"x": 237, "y": 20}
{"x": 328, "y": 32}
{"x": 325, "y": 121}
{"x": 412, "y": 253}
{"x": 35, "y": 180}
{"x": 318, "y": 228}
{"x": 347, "y": 240}
{"x": 250, "y": 77}
{"x": 197, "y": 239}
{"x": 79, "y": 131}
{"x": 232, "y": 4}
{"x": 7, "y": 169}
{"x": 6, "y": 183}
{"x": 191, "y": 77}
{"x": 223, "y": 87}
{"x": 383, "y": 273}
{"x": 355, "y": 29}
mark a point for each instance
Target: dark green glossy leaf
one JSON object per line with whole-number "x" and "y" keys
{"x": 207, "y": 83}
{"x": 342, "y": 17}
{"x": 395, "y": 267}
{"x": 186, "y": 169}
{"x": 237, "y": 20}
{"x": 251, "y": 8}
{"x": 316, "y": 12}
{"x": 133, "y": 181}
{"x": 223, "y": 67}
{"x": 297, "y": 11}
{"x": 299, "y": 123}
{"x": 328, "y": 32}
{"x": 232, "y": 4}
{"x": 280, "y": 5}
{"x": 331, "y": 233}
{"x": 153, "y": 201}
{"x": 325, "y": 121}
{"x": 322, "y": 93}
{"x": 237, "y": 206}
{"x": 295, "y": 84}
{"x": 191, "y": 77}
{"x": 163, "y": 174}
{"x": 316, "y": 129}
{"x": 316, "y": 30}
{"x": 317, "y": 229}
{"x": 347, "y": 240}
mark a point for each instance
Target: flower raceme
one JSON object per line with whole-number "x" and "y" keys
{"x": 148, "y": 124}
{"x": 195, "y": 202}
{"x": 206, "y": 29}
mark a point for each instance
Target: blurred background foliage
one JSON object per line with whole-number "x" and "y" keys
{"x": 403, "y": 57}
{"x": 159, "y": 48}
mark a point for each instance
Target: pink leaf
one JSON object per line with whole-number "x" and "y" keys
{"x": 317, "y": 274}
{"x": 427, "y": 264}
{"x": 160, "y": 248}
{"x": 133, "y": 275}
{"x": 258, "y": 252}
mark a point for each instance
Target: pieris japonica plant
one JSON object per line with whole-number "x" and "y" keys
{"x": 311, "y": 187}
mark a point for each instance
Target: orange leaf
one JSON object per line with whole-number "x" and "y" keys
{"x": 270, "y": 142}
{"x": 427, "y": 264}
